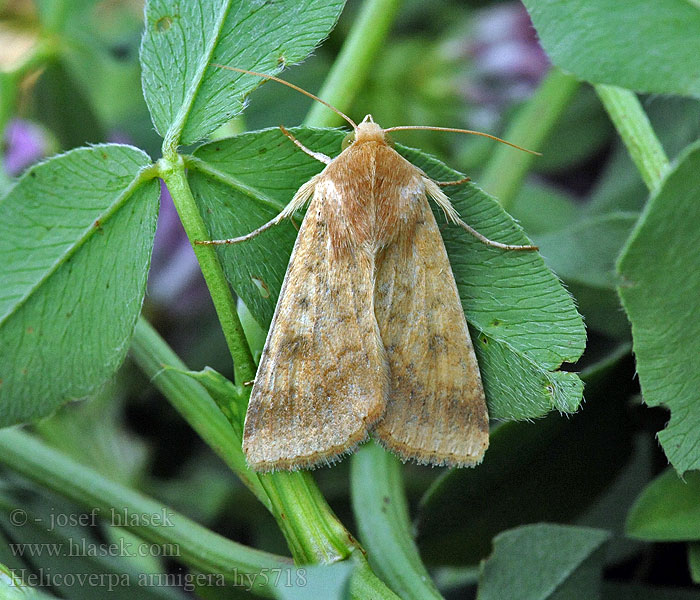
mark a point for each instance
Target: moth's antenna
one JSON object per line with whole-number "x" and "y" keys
{"x": 491, "y": 137}
{"x": 291, "y": 85}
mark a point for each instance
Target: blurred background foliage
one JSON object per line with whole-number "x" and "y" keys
{"x": 456, "y": 63}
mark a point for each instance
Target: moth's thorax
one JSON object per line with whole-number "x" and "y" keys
{"x": 371, "y": 193}
{"x": 369, "y": 131}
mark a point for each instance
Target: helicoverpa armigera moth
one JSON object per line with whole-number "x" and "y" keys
{"x": 368, "y": 334}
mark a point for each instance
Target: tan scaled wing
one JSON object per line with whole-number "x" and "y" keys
{"x": 323, "y": 378}
{"x": 436, "y": 411}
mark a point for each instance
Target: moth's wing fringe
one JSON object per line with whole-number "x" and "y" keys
{"x": 430, "y": 461}
{"x": 311, "y": 462}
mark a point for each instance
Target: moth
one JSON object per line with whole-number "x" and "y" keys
{"x": 369, "y": 334}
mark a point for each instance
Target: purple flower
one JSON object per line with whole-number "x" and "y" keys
{"x": 508, "y": 60}
{"x": 25, "y": 144}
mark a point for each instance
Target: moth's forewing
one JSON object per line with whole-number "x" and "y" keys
{"x": 322, "y": 380}
{"x": 436, "y": 410}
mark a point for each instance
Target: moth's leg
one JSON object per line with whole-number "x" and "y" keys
{"x": 243, "y": 238}
{"x": 489, "y": 242}
{"x": 458, "y": 182}
{"x": 434, "y": 191}
{"x": 326, "y": 160}
{"x": 300, "y": 198}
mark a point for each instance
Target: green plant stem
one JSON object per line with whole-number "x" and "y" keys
{"x": 157, "y": 360}
{"x": 381, "y": 513}
{"x": 507, "y": 167}
{"x": 633, "y": 125}
{"x": 354, "y": 60}
{"x": 195, "y": 545}
{"x": 313, "y": 532}
{"x": 173, "y": 173}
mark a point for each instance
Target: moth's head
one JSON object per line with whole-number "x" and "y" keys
{"x": 366, "y": 131}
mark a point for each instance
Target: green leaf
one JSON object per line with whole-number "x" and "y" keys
{"x": 525, "y": 322}
{"x": 228, "y": 398}
{"x": 381, "y": 513}
{"x": 254, "y": 334}
{"x": 586, "y": 251}
{"x": 75, "y": 234}
{"x": 582, "y": 131}
{"x": 62, "y": 105}
{"x": 627, "y": 591}
{"x": 13, "y": 588}
{"x": 542, "y": 208}
{"x": 619, "y": 188}
{"x": 694, "y": 561}
{"x": 187, "y": 96}
{"x": 330, "y": 582}
{"x": 668, "y": 509}
{"x": 584, "y": 256}
{"x": 538, "y": 562}
{"x": 531, "y": 472}
{"x": 103, "y": 79}
{"x": 93, "y": 433}
{"x": 93, "y": 51}
{"x": 601, "y": 41}
{"x": 660, "y": 270}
